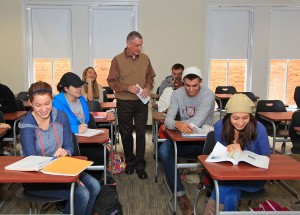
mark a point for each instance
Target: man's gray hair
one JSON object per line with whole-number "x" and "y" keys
{"x": 134, "y": 34}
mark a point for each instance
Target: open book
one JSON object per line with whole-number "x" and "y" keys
{"x": 67, "y": 166}
{"x": 220, "y": 154}
{"x": 91, "y": 132}
{"x": 99, "y": 115}
{"x": 198, "y": 132}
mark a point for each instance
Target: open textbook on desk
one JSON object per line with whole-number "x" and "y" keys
{"x": 67, "y": 166}
{"x": 220, "y": 154}
{"x": 198, "y": 132}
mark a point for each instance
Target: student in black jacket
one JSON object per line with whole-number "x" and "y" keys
{"x": 7, "y": 100}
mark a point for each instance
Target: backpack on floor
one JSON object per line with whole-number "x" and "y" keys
{"x": 108, "y": 202}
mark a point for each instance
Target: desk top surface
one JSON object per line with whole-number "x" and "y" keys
{"x": 281, "y": 167}
{"x": 157, "y": 116}
{"x": 297, "y": 129}
{"x": 14, "y": 115}
{"x": 3, "y": 131}
{"x": 99, "y": 138}
{"x": 175, "y": 135}
{"x": 111, "y": 96}
{"x": 11, "y": 176}
{"x": 108, "y": 105}
{"x": 277, "y": 116}
{"x": 223, "y": 96}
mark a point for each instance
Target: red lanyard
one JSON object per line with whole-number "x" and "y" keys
{"x": 41, "y": 139}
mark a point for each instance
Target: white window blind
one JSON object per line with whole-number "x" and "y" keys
{"x": 285, "y": 31}
{"x": 229, "y": 34}
{"x": 110, "y": 27}
{"x": 51, "y": 32}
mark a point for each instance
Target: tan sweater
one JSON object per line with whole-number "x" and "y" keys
{"x": 126, "y": 71}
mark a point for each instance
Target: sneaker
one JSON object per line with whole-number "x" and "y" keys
{"x": 185, "y": 205}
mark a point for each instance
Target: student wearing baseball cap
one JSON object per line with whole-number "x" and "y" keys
{"x": 70, "y": 101}
{"x": 193, "y": 103}
{"x": 238, "y": 131}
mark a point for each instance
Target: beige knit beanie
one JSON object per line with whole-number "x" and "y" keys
{"x": 239, "y": 103}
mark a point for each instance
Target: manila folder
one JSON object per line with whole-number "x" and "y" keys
{"x": 67, "y": 166}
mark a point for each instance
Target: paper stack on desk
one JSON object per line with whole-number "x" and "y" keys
{"x": 91, "y": 132}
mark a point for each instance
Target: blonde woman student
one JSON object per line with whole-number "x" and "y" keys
{"x": 92, "y": 90}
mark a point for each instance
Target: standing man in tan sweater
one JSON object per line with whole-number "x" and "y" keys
{"x": 127, "y": 69}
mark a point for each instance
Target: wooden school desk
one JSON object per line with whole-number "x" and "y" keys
{"x": 98, "y": 139}
{"x": 273, "y": 117}
{"x": 14, "y": 116}
{"x": 111, "y": 96}
{"x": 3, "y": 131}
{"x": 281, "y": 167}
{"x": 109, "y": 119}
{"x": 112, "y": 105}
{"x": 157, "y": 118}
{"x": 176, "y": 136}
{"x": 10, "y": 176}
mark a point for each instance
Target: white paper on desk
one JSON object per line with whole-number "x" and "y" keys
{"x": 91, "y": 132}
{"x": 144, "y": 100}
{"x": 30, "y": 163}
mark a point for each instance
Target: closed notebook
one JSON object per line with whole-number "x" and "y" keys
{"x": 67, "y": 166}
{"x": 99, "y": 115}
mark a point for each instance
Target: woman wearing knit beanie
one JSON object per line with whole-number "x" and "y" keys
{"x": 238, "y": 131}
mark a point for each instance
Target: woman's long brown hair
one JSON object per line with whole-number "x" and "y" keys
{"x": 246, "y": 135}
{"x": 95, "y": 84}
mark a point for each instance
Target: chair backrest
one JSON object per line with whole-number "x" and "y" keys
{"x": 76, "y": 146}
{"x": 297, "y": 96}
{"x": 250, "y": 95}
{"x": 23, "y": 96}
{"x": 224, "y": 90}
{"x": 209, "y": 143}
{"x": 20, "y": 105}
{"x": 295, "y": 138}
{"x": 107, "y": 90}
{"x": 2, "y": 120}
{"x": 94, "y": 106}
{"x": 92, "y": 123}
{"x": 269, "y": 106}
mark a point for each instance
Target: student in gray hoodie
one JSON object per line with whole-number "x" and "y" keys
{"x": 45, "y": 131}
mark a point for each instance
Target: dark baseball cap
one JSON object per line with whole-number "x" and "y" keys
{"x": 71, "y": 79}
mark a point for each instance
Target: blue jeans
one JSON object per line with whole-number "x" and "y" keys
{"x": 84, "y": 199}
{"x": 230, "y": 192}
{"x": 184, "y": 149}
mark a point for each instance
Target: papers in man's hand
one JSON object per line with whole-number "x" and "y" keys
{"x": 144, "y": 100}
{"x": 91, "y": 132}
{"x": 220, "y": 154}
{"x": 198, "y": 132}
{"x": 66, "y": 166}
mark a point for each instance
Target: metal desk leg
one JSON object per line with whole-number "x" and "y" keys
{"x": 217, "y": 197}
{"x": 104, "y": 154}
{"x": 156, "y": 150}
{"x": 220, "y": 106}
{"x": 72, "y": 198}
{"x": 111, "y": 149}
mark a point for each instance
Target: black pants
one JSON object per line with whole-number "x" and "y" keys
{"x": 127, "y": 112}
